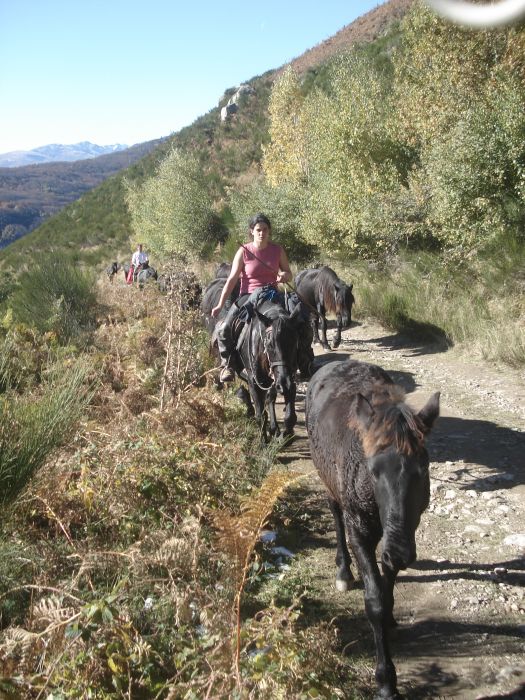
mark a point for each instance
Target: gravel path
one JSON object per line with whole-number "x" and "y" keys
{"x": 461, "y": 607}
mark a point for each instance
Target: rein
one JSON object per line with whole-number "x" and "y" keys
{"x": 254, "y": 374}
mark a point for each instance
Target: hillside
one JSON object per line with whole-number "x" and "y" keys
{"x": 363, "y": 30}
{"x": 230, "y": 152}
{"x": 31, "y": 194}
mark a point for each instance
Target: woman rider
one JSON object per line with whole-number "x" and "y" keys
{"x": 259, "y": 264}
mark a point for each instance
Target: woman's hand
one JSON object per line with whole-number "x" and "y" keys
{"x": 284, "y": 276}
{"x": 216, "y": 311}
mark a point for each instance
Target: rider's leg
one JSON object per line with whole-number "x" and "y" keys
{"x": 226, "y": 342}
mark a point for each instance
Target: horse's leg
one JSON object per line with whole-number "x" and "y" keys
{"x": 315, "y": 328}
{"x": 290, "y": 416}
{"x": 389, "y": 579}
{"x": 322, "y": 316}
{"x": 337, "y": 337}
{"x": 344, "y": 577}
{"x": 271, "y": 397}
{"x": 258, "y": 398}
{"x": 379, "y": 612}
{"x": 244, "y": 396}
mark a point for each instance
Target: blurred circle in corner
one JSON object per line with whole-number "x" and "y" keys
{"x": 481, "y": 15}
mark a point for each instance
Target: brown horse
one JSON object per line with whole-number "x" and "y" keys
{"x": 322, "y": 289}
{"x": 369, "y": 449}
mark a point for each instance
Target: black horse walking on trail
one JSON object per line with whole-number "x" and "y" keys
{"x": 369, "y": 449}
{"x": 268, "y": 353}
{"x": 322, "y": 289}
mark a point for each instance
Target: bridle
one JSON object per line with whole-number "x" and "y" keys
{"x": 265, "y": 340}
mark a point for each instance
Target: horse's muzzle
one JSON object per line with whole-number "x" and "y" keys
{"x": 398, "y": 557}
{"x": 283, "y": 382}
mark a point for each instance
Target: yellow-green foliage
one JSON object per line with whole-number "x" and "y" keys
{"x": 354, "y": 163}
{"x": 284, "y": 159}
{"x": 422, "y": 143}
{"x": 171, "y": 212}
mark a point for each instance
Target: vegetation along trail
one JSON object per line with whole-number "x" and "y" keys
{"x": 461, "y": 606}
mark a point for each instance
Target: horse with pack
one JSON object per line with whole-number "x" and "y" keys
{"x": 322, "y": 290}
{"x": 142, "y": 273}
{"x": 369, "y": 449}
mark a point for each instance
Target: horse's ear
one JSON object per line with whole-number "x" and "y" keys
{"x": 363, "y": 410}
{"x": 351, "y": 286}
{"x": 430, "y": 411}
{"x": 296, "y": 313}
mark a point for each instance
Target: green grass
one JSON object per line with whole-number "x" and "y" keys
{"x": 477, "y": 303}
{"x": 32, "y": 427}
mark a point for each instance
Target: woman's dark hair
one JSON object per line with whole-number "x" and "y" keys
{"x": 259, "y": 219}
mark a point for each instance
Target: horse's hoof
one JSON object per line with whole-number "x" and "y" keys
{"x": 342, "y": 585}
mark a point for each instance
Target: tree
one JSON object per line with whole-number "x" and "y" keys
{"x": 284, "y": 159}
{"x": 172, "y": 211}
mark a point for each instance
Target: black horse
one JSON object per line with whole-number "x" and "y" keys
{"x": 111, "y": 270}
{"x": 268, "y": 352}
{"x": 368, "y": 447}
{"x": 212, "y": 293}
{"x": 322, "y": 289}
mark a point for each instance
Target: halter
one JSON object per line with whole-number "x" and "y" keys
{"x": 277, "y": 363}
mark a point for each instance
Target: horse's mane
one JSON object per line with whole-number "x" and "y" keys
{"x": 326, "y": 278}
{"x": 394, "y": 423}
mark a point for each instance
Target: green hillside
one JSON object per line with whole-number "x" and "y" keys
{"x": 96, "y": 228}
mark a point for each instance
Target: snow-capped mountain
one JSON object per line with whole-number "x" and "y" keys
{"x": 56, "y": 152}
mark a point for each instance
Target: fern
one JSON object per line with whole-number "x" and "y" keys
{"x": 239, "y": 534}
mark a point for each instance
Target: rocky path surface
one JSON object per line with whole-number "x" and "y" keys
{"x": 461, "y": 607}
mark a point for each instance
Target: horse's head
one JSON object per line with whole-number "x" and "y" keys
{"x": 280, "y": 346}
{"x": 393, "y": 442}
{"x": 344, "y": 300}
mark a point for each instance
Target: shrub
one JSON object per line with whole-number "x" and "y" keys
{"x": 31, "y": 428}
{"x": 54, "y": 296}
{"x": 172, "y": 211}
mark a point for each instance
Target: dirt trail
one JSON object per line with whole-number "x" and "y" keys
{"x": 461, "y": 607}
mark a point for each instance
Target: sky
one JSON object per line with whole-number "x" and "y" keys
{"x": 129, "y": 71}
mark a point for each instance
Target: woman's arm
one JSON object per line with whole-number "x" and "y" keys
{"x": 285, "y": 274}
{"x": 237, "y": 268}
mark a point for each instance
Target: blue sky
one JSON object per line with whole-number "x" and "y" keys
{"x": 128, "y": 71}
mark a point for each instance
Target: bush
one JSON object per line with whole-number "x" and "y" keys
{"x": 31, "y": 428}
{"x": 57, "y": 297}
{"x": 172, "y": 211}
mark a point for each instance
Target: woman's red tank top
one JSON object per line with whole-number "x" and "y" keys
{"x": 256, "y": 273}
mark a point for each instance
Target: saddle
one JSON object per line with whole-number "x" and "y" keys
{"x": 241, "y": 325}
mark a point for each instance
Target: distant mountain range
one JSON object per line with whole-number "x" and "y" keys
{"x": 57, "y": 153}
{"x": 30, "y": 194}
